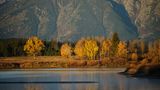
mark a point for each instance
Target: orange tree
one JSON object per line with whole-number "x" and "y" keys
{"x": 134, "y": 56}
{"x": 90, "y": 48}
{"x": 66, "y": 50}
{"x": 105, "y": 47}
{"x": 122, "y": 50}
{"x": 33, "y": 46}
{"x": 79, "y": 48}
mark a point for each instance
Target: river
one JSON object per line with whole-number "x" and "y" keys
{"x": 73, "y": 79}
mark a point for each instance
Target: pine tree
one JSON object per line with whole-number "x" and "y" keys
{"x": 133, "y": 46}
{"x": 115, "y": 42}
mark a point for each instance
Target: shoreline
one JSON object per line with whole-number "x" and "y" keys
{"x": 58, "y": 62}
{"x": 67, "y": 69}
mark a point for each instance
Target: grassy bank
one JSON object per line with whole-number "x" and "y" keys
{"x": 58, "y": 62}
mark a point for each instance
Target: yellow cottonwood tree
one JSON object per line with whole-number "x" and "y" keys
{"x": 134, "y": 56}
{"x": 79, "y": 48}
{"x": 105, "y": 47}
{"x": 66, "y": 50}
{"x": 122, "y": 50}
{"x": 90, "y": 48}
{"x": 33, "y": 46}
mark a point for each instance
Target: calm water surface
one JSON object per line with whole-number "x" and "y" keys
{"x": 73, "y": 79}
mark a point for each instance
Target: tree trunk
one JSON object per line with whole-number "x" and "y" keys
{"x": 34, "y": 56}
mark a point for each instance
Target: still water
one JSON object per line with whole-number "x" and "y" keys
{"x": 73, "y": 79}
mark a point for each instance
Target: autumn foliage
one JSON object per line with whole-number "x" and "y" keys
{"x": 122, "y": 50}
{"x": 90, "y": 48}
{"x": 79, "y": 48}
{"x": 105, "y": 47}
{"x": 66, "y": 50}
{"x": 86, "y": 48}
{"x": 33, "y": 46}
{"x": 134, "y": 56}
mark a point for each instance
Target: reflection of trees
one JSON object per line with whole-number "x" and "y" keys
{"x": 66, "y": 86}
{"x": 89, "y": 87}
{"x": 32, "y": 87}
{"x": 112, "y": 82}
{"x": 78, "y": 76}
{"x": 65, "y": 77}
{"x": 122, "y": 84}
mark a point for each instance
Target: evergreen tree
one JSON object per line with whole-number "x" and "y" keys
{"x": 115, "y": 42}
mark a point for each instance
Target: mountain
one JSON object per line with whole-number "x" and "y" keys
{"x": 73, "y": 19}
{"x": 146, "y": 16}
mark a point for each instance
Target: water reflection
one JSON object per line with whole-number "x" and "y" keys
{"x": 79, "y": 87}
{"x": 32, "y": 87}
{"x": 73, "y": 80}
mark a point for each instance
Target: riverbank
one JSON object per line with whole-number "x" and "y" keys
{"x": 143, "y": 70}
{"x": 116, "y": 70}
{"x": 58, "y": 62}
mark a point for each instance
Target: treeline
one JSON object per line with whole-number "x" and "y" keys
{"x": 100, "y": 47}
{"x": 148, "y": 52}
{"x": 12, "y": 47}
{"x": 15, "y": 47}
{"x": 144, "y": 58}
{"x": 94, "y": 48}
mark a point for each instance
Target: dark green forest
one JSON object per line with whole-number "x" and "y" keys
{"x": 14, "y": 47}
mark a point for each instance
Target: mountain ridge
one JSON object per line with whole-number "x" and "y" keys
{"x": 66, "y": 20}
